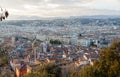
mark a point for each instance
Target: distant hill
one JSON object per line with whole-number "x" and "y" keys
{"x": 99, "y": 20}
{"x": 43, "y": 18}
{"x": 98, "y": 16}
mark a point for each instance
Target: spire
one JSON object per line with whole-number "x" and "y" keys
{"x": 34, "y": 42}
{"x": 34, "y": 45}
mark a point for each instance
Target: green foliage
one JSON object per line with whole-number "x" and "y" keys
{"x": 3, "y": 56}
{"x": 3, "y": 61}
{"x": 74, "y": 74}
{"x": 37, "y": 74}
{"x": 48, "y": 70}
{"x": 55, "y": 42}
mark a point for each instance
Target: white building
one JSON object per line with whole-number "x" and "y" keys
{"x": 1, "y": 39}
{"x": 73, "y": 40}
{"x": 13, "y": 40}
{"x": 45, "y": 46}
{"x": 84, "y": 42}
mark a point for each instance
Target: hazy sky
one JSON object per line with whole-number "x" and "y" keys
{"x": 57, "y": 8}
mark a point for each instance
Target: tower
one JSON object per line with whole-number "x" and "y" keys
{"x": 34, "y": 46}
{"x": 45, "y": 46}
{"x": 13, "y": 40}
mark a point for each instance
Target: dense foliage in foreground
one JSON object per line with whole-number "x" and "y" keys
{"x": 47, "y": 70}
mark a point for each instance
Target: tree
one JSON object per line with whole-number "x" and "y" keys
{"x": 47, "y": 70}
{"x": 74, "y": 73}
{"x": 55, "y": 42}
{"x": 107, "y": 66}
{"x": 3, "y": 56}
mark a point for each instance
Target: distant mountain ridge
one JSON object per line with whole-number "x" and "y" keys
{"x": 72, "y": 21}
{"x": 43, "y": 18}
{"x": 98, "y": 16}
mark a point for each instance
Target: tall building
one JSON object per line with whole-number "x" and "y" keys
{"x": 34, "y": 48}
{"x": 13, "y": 40}
{"x": 45, "y": 46}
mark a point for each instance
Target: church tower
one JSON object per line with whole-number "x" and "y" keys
{"x": 34, "y": 47}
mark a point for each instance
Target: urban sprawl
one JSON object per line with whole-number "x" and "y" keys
{"x": 67, "y": 46}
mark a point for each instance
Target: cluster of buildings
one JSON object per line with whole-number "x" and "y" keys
{"x": 26, "y": 54}
{"x": 31, "y": 47}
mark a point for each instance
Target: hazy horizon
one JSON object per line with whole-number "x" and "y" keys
{"x": 60, "y": 8}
